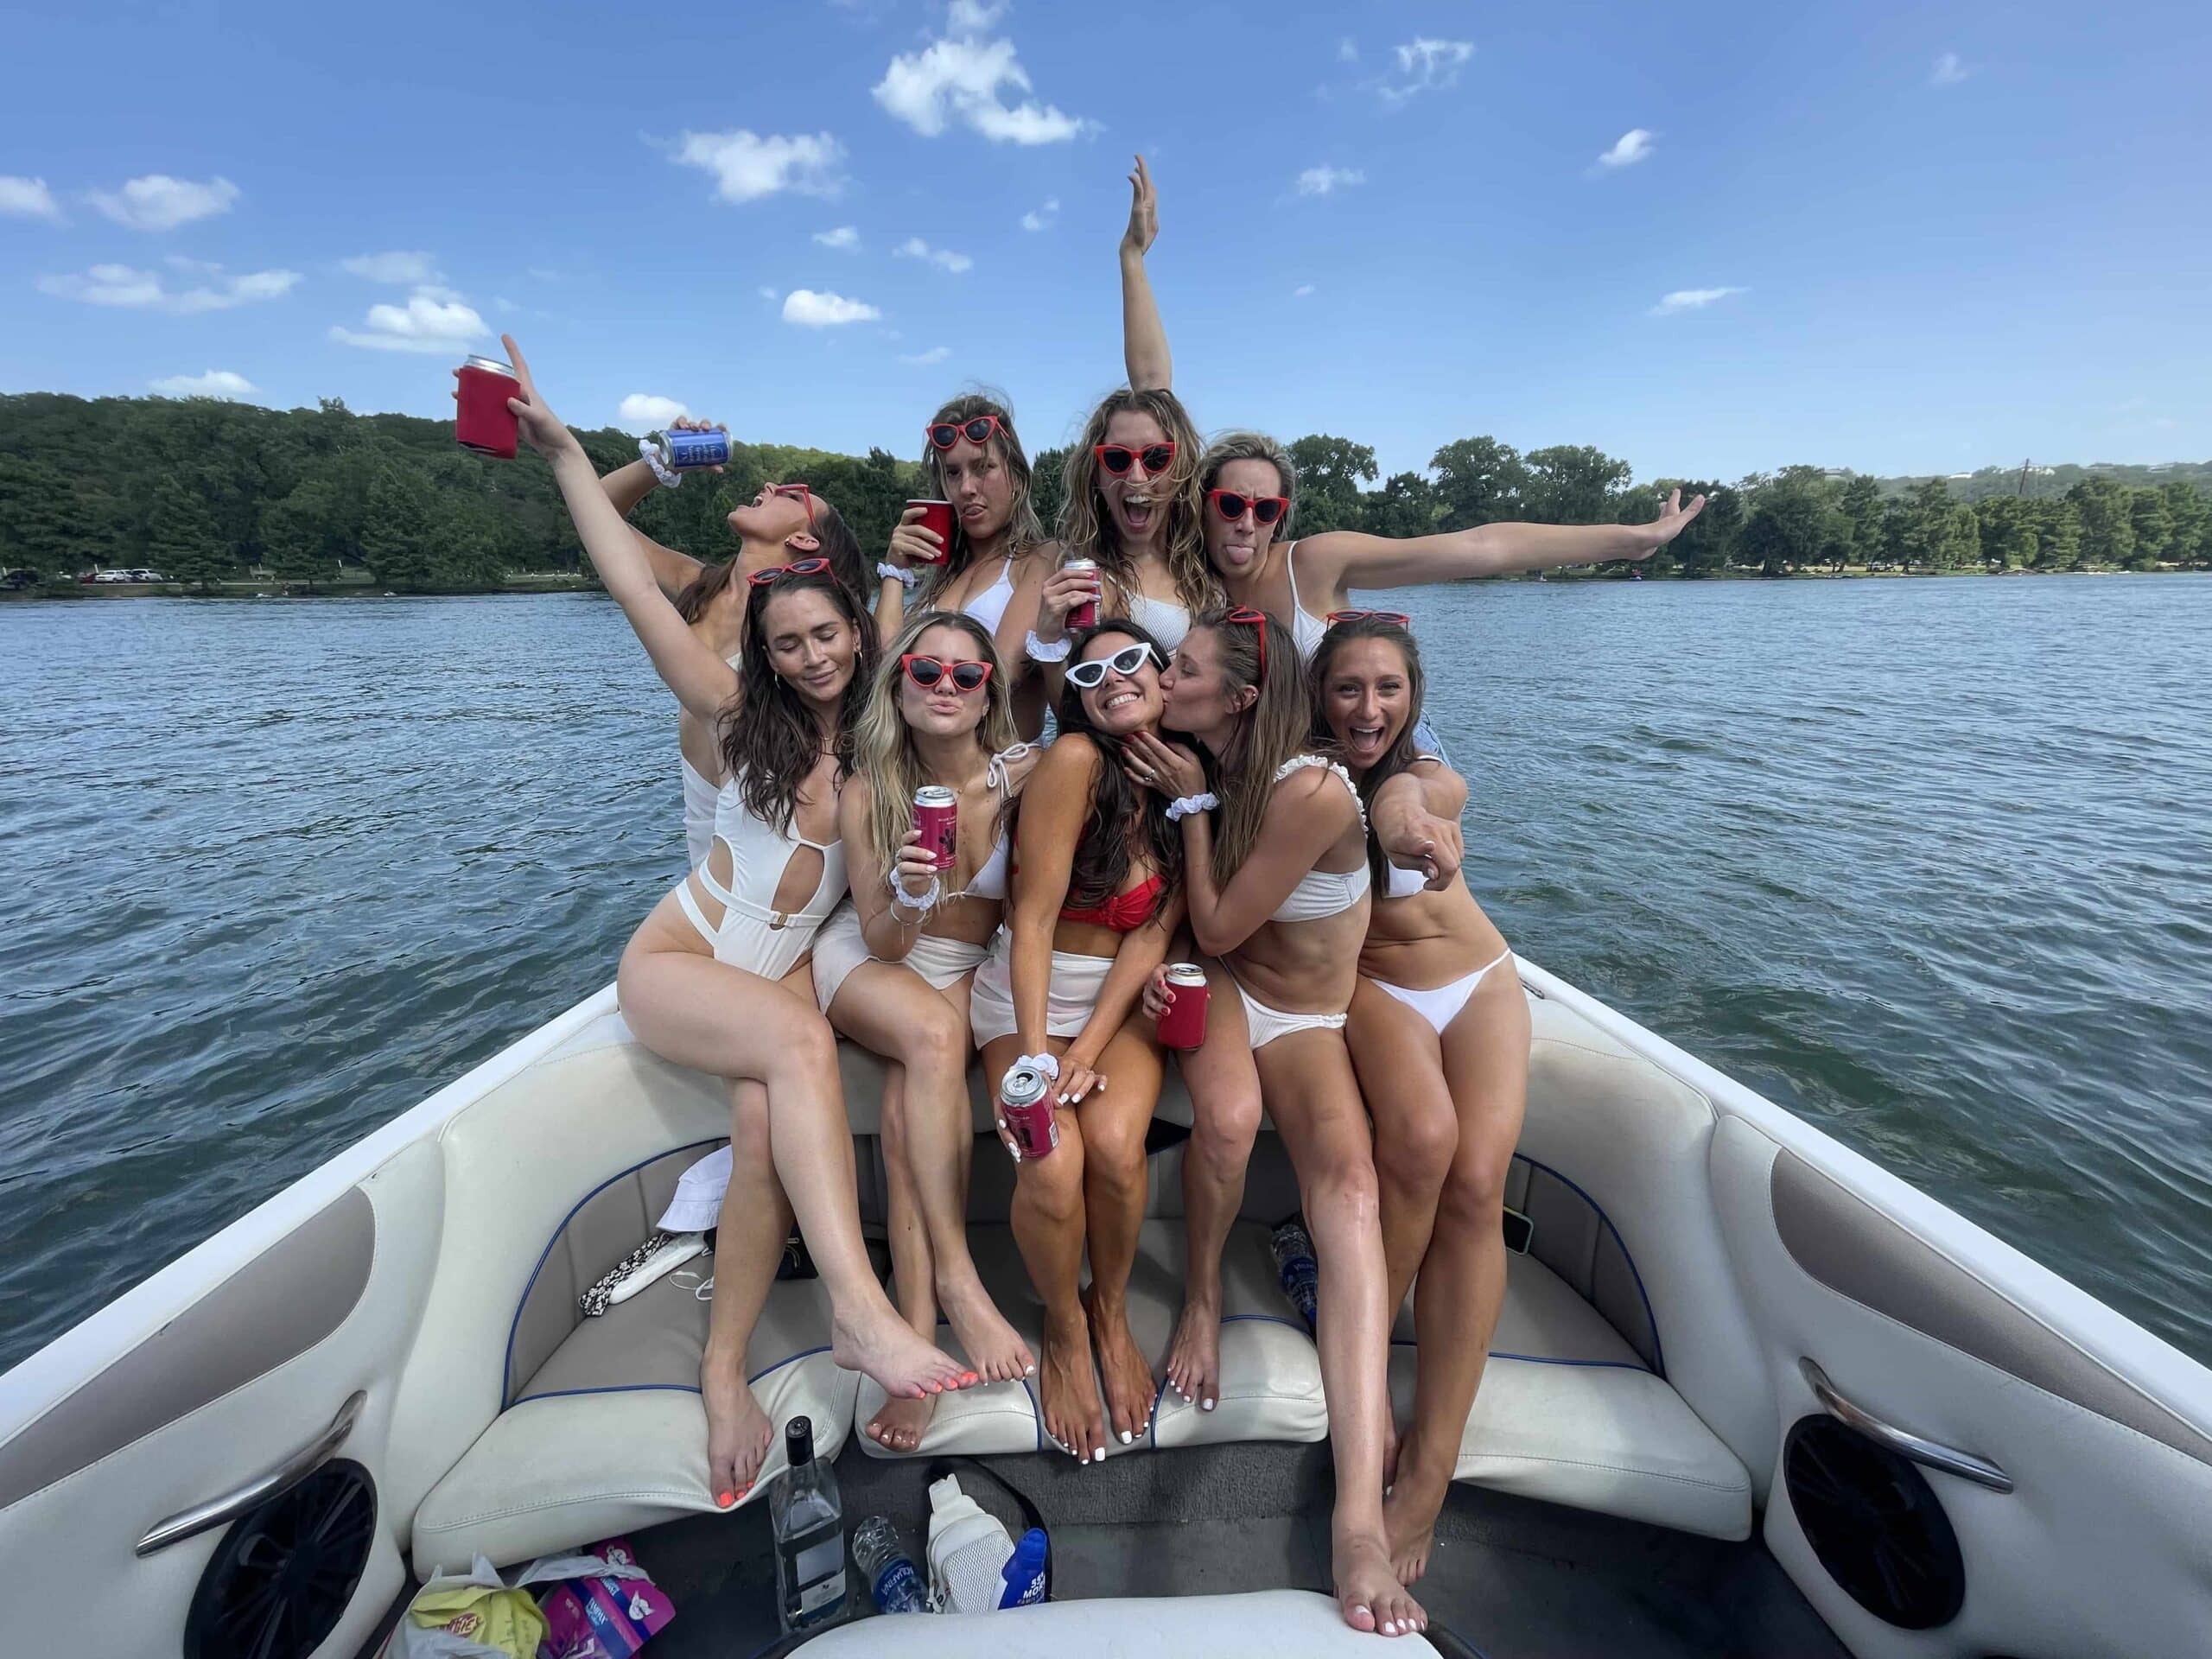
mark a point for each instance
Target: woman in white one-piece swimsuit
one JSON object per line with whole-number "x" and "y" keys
{"x": 1440, "y": 1033}
{"x": 1000, "y": 554}
{"x": 715, "y": 977}
{"x": 891, "y": 968}
{"x": 1274, "y": 863}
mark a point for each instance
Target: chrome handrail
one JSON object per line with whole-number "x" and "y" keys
{"x": 1928, "y": 1453}
{"x": 219, "y": 1511}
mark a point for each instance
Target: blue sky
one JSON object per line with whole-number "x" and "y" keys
{"x": 1898, "y": 238}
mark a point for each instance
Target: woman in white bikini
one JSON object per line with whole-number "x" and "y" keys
{"x": 1276, "y": 870}
{"x": 1440, "y": 1033}
{"x": 999, "y": 555}
{"x": 1097, "y": 899}
{"x": 892, "y": 969}
{"x": 716, "y": 978}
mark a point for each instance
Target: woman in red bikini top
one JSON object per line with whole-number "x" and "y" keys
{"x": 1097, "y": 896}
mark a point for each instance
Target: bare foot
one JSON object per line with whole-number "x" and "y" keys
{"x": 738, "y": 1433}
{"x": 1194, "y": 1351}
{"x": 900, "y": 1425}
{"x": 1409, "y": 1515}
{"x": 886, "y": 1347}
{"x": 1068, "y": 1389}
{"x": 992, "y": 1346}
{"x": 1130, "y": 1391}
{"x": 1367, "y": 1590}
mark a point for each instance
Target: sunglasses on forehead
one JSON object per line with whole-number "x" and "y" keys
{"x": 776, "y": 573}
{"x": 1089, "y": 676}
{"x": 926, "y": 672}
{"x": 1233, "y": 506}
{"x": 1397, "y": 619}
{"x": 1118, "y": 458}
{"x": 1245, "y": 617}
{"x": 944, "y": 435}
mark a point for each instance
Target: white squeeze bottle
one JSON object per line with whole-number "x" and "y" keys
{"x": 968, "y": 1550}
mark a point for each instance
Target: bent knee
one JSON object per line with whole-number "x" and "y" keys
{"x": 1344, "y": 1197}
{"x": 1223, "y": 1125}
{"x": 1417, "y": 1149}
{"x": 1475, "y": 1189}
{"x": 935, "y": 1043}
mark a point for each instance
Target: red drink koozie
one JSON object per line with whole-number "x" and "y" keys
{"x": 1184, "y": 1024}
{"x": 483, "y": 421}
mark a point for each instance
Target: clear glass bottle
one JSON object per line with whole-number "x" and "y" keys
{"x": 809, "y": 1525}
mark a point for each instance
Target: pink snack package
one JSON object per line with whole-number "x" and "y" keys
{"x": 603, "y": 1618}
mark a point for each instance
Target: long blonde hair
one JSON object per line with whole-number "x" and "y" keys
{"x": 1277, "y": 726}
{"x": 1087, "y": 529}
{"x": 884, "y": 743}
{"x": 1252, "y": 446}
{"x": 1024, "y": 530}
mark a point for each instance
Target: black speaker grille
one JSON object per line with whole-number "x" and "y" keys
{"x": 282, "y": 1579}
{"x": 1875, "y": 1524}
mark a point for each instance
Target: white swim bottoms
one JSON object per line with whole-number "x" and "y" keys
{"x": 839, "y": 949}
{"x": 1072, "y": 995}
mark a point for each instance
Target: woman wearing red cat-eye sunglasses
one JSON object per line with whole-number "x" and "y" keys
{"x": 717, "y": 979}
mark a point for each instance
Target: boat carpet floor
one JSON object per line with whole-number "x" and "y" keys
{"x": 1511, "y": 1578}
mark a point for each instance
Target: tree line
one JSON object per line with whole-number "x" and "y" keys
{"x": 207, "y": 492}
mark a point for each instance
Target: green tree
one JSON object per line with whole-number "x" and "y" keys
{"x": 2108, "y": 525}
{"x": 2059, "y": 535}
{"x": 1704, "y": 548}
{"x": 300, "y": 533}
{"x": 1572, "y": 484}
{"x": 1860, "y": 504}
{"x": 395, "y": 535}
{"x": 1789, "y": 524}
{"x": 2192, "y": 521}
{"x": 1479, "y": 482}
{"x": 1330, "y": 473}
{"x": 2152, "y": 521}
{"x": 1048, "y": 486}
{"x": 1404, "y": 507}
{"x": 36, "y": 518}
{"x": 1956, "y": 542}
{"x": 2008, "y": 530}
{"x": 181, "y": 538}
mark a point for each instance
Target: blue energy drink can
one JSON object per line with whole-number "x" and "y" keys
{"x": 683, "y": 451}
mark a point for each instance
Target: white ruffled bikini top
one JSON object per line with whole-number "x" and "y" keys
{"x": 1322, "y": 894}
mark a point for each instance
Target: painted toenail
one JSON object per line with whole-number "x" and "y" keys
{"x": 1205, "y": 1405}
{"x": 723, "y": 1500}
{"x": 1126, "y": 1437}
{"x": 1099, "y": 1455}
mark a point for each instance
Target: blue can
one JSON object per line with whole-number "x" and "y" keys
{"x": 683, "y": 451}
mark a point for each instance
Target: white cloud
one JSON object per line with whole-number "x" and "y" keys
{"x": 144, "y": 290}
{"x": 747, "y": 166}
{"x": 27, "y": 199}
{"x": 216, "y": 382}
{"x": 1347, "y": 49}
{"x": 968, "y": 78}
{"x": 935, "y": 354}
{"x": 642, "y": 412}
{"x": 766, "y": 292}
{"x": 1040, "y": 219}
{"x": 811, "y": 310}
{"x": 1327, "y": 181}
{"x": 1950, "y": 70}
{"x": 846, "y": 238}
{"x": 1692, "y": 299}
{"x": 402, "y": 269}
{"x": 158, "y": 202}
{"x": 1425, "y": 66}
{"x": 944, "y": 258}
{"x": 433, "y": 320}
{"x": 1631, "y": 147}
{"x": 1301, "y": 290}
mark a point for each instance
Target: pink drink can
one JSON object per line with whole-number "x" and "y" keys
{"x": 1026, "y": 1103}
{"x": 1084, "y": 615}
{"x": 937, "y": 815}
{"x": 1184, "y": 1024}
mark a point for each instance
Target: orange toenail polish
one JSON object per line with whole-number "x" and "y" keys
{"x": 723, "y": 1500}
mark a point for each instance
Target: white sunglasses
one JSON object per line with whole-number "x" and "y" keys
{"x": 1125, "y": 662}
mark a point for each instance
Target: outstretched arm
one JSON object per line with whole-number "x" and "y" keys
{"x": 1416, "y": 819}
{"x": 702, "y": 681}
{"x": 1343, "y": 559}
{"x": 1144, "y": 342}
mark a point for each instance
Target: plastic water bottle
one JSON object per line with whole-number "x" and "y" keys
{"x": 883, "y": 1561}
{"x": 809, "y": 1526}
{"x": 1292, "y": 1247}
{"x": 1024, "y": 1573}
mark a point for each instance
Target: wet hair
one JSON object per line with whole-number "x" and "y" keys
{"x": 1024, "y": 529}
{"x": 769, "y": 739}
{"x": 1087, "y": 529}
{"x": 1278, "y": 725}
{"x": 1252, "y": 446}
{"x": 1404, "y": 750}
{"x": 884, "y": 743}
{"x": 1102, "y": 851}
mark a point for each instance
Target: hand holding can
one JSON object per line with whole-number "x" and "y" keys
{"x": 1184, "y": 1024}
{"x": 1026, "y": 1113}
{"x": 1084, "y": 613}
{"x": 936, "y": 818}
{"x": 483, "y": 421}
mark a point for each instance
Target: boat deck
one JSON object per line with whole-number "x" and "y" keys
{"x": 1511, "y": 1578}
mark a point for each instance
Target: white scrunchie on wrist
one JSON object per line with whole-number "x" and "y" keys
{"x": 921, "y": 905}
{"x": 1182, "y": 805}
{"x": 1040, "y": 651}
{"x": 897, "y": 572}
{"x": 650, "y": 455}
{"x": 1048, "y": 1064}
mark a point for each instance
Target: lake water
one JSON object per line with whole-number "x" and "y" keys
{"x": 1929, "y": 861}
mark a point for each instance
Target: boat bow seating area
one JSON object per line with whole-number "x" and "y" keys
{"x": 590, "y": 1427}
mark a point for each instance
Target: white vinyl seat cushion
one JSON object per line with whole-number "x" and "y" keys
{"x": 1270, "y": 1373}
{"x": 1262, "y": 1625}
{"x": 608, "y": 1436}
{"x": 1569, "y": 1413}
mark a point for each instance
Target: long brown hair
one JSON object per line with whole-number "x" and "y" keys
{"x": 1024, "y": 530}
{"x": 769, "y": 739}
{"x": 1404, "y": 750}
{"x": 703, "y": 590}
{"x": 1102, "y": 851}
{"x": 884, "y": 743}
{"x": 838, "y": 545}
{"x": 1278, "y": 725}
{"x": 1087, "y": 529}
